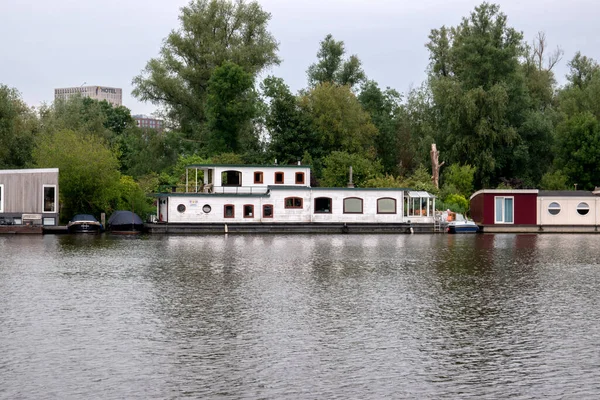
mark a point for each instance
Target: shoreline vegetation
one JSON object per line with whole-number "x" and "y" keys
{"x": 490, "y": 103}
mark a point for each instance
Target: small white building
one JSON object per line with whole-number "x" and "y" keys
{"x": 282, "y": 194}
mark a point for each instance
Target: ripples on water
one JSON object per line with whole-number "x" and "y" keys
{"x": 258, "y": 316}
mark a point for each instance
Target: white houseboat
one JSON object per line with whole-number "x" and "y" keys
{"x": 278, "y": 198}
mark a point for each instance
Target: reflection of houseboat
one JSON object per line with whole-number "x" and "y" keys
{"x": 532, "y": 210}
{"x": 279, "y": 198}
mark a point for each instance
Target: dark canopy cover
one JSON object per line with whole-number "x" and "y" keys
{"x": 124, "y": 218}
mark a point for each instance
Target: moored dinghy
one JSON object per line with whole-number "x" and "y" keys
{"x": 84, "y": 223}
{"x": 125, "y": 222}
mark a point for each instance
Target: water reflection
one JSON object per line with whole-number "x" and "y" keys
{"x": 302, "y": 316}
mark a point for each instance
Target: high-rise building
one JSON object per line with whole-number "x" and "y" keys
{"x": 110, "y": 94}
{"x": 144, "y": 122}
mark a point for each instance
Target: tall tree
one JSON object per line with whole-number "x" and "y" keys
{"x": 331, "y": 67}
{"x": 385, "y": 109}
{"x": 479, "y": 91}
{"x": 339, "y": 121}
{"x": 18, "y": 129}
{"x": 230, "y": 106}
{"x": 289, "y": 127}
{"x": 211, "y": 32}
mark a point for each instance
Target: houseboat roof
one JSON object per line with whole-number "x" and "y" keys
{"x": 28, "y": 170}
{"x": 290, "y": 187}
{"x": 504, "y": 191}
{"x": 566, "y": 193}
{"x": 247, "y": 166}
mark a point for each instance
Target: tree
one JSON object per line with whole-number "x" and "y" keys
{"x": 289, "y": 126}
{"x": 578, "y": 141}
{"x": 337, "y": 165}
{"x": 581, "y": 70}
{"x": 338, "y": 120}
{"x": 211, "y": 32}
{"x": 18, "y": 129}
{"x": 459, "y": 178}
{"x": 230, "y": 106}
{"x": 479, "y": 91}
{"x": 385, "y": 110}
{"x": 89, "y": 171}
{"x": 331, "y": 67}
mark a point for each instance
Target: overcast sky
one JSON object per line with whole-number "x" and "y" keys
{"x": 61, "y": 43}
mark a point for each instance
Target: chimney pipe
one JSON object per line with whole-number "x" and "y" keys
{"x": 350, "y": 184}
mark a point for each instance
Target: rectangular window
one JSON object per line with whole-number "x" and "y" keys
{"x": 1, "y": 198}
{"x": 279, "y": 178}
{"x": 49, "y": 198}
{"x": 248, "y": 211}
{"x": 299, "y": 178}
{"x": 229, "y": 211}
{"x": 353, "y": 205}
{"x": 293, "y": 202}
{"x": 322, "y": 205}
{"x": 258, "y": 177}
{"x": 386, "y": 205}
{"x": 504, "y": 210}
{"x": 268, "y": 211}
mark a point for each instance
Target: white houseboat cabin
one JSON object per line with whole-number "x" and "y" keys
{"x": 238, "y": 194}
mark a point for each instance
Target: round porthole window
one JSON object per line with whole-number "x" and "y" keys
{"x": 181, "y": 208}
{"x": 583, "y": 208}
{"x": 206, "y": 208}
{"x": 554, "y": 208}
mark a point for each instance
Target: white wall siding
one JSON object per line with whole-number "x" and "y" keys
{"x": 568, "y": 214}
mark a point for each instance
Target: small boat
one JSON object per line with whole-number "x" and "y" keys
{"x": 125, "y": 222}
{"x": 84, "y": 223}
{"x": 460, "y": 224}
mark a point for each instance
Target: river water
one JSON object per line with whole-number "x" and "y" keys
{"x": 300, "y": 317}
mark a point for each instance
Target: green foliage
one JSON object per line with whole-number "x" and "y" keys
{"x": 479, "y": 91}
{"x": 211, "y": 33}
{"x": 556, "y": 180}
{"x": 420, "y": 179}
{"x": 578, "y": 141}
{"x": 331, "y": 67}
{"x": 385, "y": 109}
{"x": 291, "y": 135}
{"x": 459, "y": 177}
{"x": 145, "y": 151}
{"x": 89, "y": 171}
{"x": 230, "y": 107}
{"x": 337, "y": 168}
{"x": 455, "y": 202}
{"x": 338, "y": 120}
{"x": 133, "y": 198}
{"x": 18, "y": 129}
{"x": 385, "y": 181}
{"x": 581, "y": 70}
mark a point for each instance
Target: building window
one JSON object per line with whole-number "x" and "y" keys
{"x": 554, "y": 208}
{"x": 279, "y": 178}
{"x": 268, "y": 211}
{"x": 386, "y": 205}
{"x": 583, "y": 208}
{"x": 293, "y": 202}
{"x": 353, "y": 205}
{"x": 206, "y": 208}
{"x": 299, "y": 178}
{"x": 1, "y": 198}
{"x": 49, "y": 198}
{"x": 181, "y": 208}
{"x": 248, "y": 211}
{"x": 229, "y": 211}
{"x": 323, "y": 205}
{"x": 231, "y": 178}
{"x": 504, "y": 210}
{"x": 258, "y": 177}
